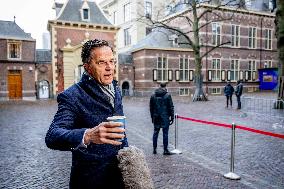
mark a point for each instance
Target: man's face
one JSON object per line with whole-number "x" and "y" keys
{"x": 102, "y": 65}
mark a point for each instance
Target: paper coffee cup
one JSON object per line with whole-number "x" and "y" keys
{"x": 120, "y": 119}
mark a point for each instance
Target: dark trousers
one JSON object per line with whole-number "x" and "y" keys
{"x": 239, "y": 102}
{"x": 229, "y": 97}
{"x": 165, "y": 137}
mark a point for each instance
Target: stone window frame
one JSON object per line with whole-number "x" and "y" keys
{"x": 215, "y": 90}
{"x": 216, "y": 70}
{"x": 234, "y": 72}
{"x": 252, "y": 37}
{"x": 268, "y": 64}
{"x": 251, "y": 69}
{"x": 184, "y": 91}
{"x": 268, "y": 39}
{"x": 127, "y": 12}
{"x": 216, "y": 37}
{"x": 17, "y": 51}
{"x": 127, "y": 36}
{"x": 85, "y": 12}
{"x": 235, "y": 35}
{"x": 183, "y": 71}
{"x": 162, "y": 68}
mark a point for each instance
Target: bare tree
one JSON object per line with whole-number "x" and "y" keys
{"x": 280, "y": 45}
{"x": 198, "y": 15}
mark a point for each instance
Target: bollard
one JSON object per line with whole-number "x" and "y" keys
{"x": 231, "y": 175}
{"x": 176, "y": 151}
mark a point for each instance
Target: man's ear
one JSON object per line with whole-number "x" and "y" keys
{"x": 86, "y": 66}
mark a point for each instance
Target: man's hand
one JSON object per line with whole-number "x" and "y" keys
{"x": 105, "y": 133}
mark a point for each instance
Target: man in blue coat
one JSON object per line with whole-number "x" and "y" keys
{"x": 228, "y": 92}
{"x": 162, "y": 114}
{"x": 80, "y": 124}
{"x": 239, "y": 92}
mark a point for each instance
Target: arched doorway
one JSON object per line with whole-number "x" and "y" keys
{"x": 43, "y": 90}
{"x": 125, "y": 88}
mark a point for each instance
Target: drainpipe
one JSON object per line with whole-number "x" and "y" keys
{"x": 260, "y": 48}
{"x": 206, "y": 60}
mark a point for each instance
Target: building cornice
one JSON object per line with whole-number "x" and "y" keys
{"x": 81, "y": 25}
{"x": 17, "y": 39}
{"x": 163, "y": 49}
{"x": 223, "y": 8}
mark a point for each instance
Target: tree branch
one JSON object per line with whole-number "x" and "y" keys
{"x": 213, "y": 48}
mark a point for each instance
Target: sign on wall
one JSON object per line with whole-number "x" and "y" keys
{"x": 268, "y": 78}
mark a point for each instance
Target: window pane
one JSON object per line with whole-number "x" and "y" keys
{"x": 86, "y": 14}
{"x": 186, "y": 63}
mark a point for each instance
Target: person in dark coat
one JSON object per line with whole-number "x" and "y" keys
{"x": 162, "y": 114}
{"x": 80, "y": 123}
{"x": 228, "y": 92}
{"x": 239, "y": 92}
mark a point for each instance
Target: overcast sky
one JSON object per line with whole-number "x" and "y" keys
{"x": 31, "y": 15}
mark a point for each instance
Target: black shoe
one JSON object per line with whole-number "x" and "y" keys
{"x": 167, "y": 152}
{"x": 154, "y": 151}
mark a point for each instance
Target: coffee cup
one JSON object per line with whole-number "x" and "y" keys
{"x": 120, "y": 119}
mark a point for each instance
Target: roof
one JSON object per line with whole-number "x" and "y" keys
{"x": 43, "y": 56}
{"x": 10, "y": 30}
{"x": 160, "y": 38}
{"x": 71, "y": 11}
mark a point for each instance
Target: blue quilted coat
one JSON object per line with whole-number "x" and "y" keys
{"x": 84, "y": 105}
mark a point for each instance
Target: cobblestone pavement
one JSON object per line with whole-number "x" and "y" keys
{"x": 27, "y": 163}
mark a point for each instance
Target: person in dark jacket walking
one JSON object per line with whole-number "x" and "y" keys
{"x": 80, "y": 124}
{"x": 228, "y": 92}
{"x": 162, "y": 114}
{"x": 239, "y": 92}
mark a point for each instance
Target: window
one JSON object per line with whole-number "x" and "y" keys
{"x": 184, "y": 91}
{"x": 148, "y": 9}
{"x": 252, "y": 38}
{"x": 183, "y": 69}
{"x": 127, "y": 37}
{"x": 14, "y": 50}
{"x": 235, "y": 41}
{"x": 127, "y": 12}
{"x": 114, "y": 17}
{"x": 268, "y": 39}
{"x": 162, "y": 68}
{"x": 268, "y": 64}
{"x": 216, "y": 69}
{"x": 85, "y": 14}
{"x": 215, "y": 90}
{"x": 216, "y": 34}
{"x": 251, "y": 69}
{"x": 235, "y": 69}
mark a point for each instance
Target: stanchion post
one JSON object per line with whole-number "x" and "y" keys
{"x": 176, "y": 151}
{"x": 231, "y": 174}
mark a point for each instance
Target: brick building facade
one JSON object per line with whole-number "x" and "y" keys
{"x": 251, "y": 46}
{"x": 17, "y": 62}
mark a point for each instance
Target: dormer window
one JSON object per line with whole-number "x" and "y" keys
{"x": 174, "y": 39}
{"x": 85, "y": 12}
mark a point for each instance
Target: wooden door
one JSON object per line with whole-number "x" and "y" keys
{"x": 15, "y": 84}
